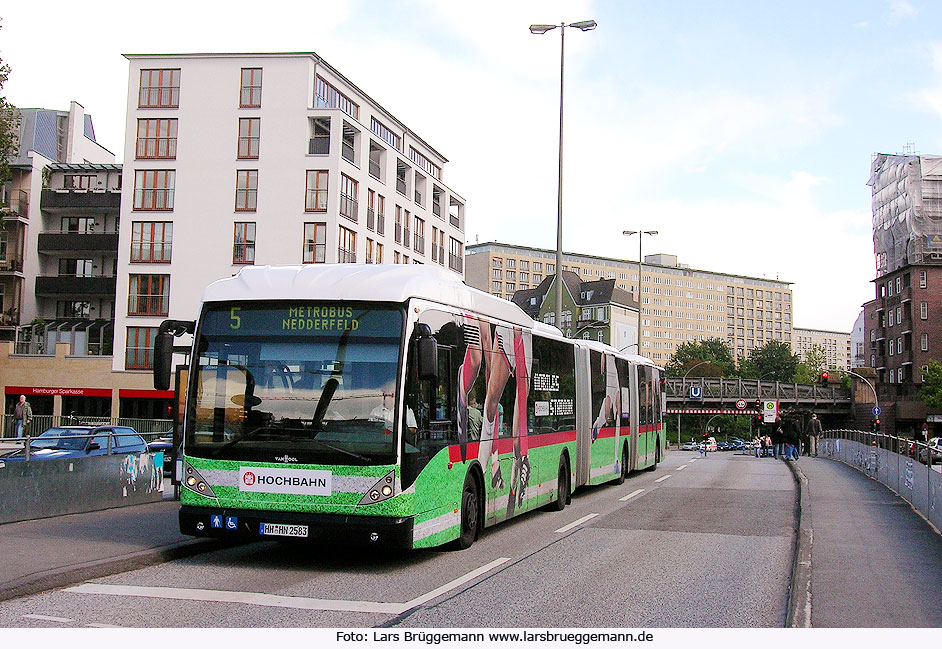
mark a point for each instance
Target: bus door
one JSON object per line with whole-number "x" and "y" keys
{"x": 583, "y": 418}
{"x": 634, "y": 374}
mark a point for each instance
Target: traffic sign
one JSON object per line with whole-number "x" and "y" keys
{"x": 696, "y": 392}
{"x": 741, "y": 404}
{"x": 876, "y": 410}
{"x": 769, "y": 411}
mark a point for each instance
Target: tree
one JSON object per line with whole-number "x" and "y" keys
{"x": 931, "y": 391}
{"x": 9, "y": 126}
{"x": 809, "y": 370}
{"x": 774, "y": 361}
{"x": 713, "y": 353}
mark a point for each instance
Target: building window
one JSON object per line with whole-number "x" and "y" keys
{"x": 424, "y": 163}
{"x": 246, "y": 190}
{"x": 76, "y": 268}
{"x": 139, "y": 349}
{"x": 380, "y": 214}
{"x": 151, "y": 242}
{"x": 924, "y": 342}
{"x": 315, "y": 243}
{"x": 348, "y": 144}
{"x": 153, "y": 189}
{"x": 243, "y": 244}
{"x": 347, "y": 247}
{"x": 923, "y": 279}
{"x": 924, "y": 310}
{"x": 326, "y": 96}
{"x": 369, "y": 251}
{"x": 348, "y": 197}
{"x": 149, "y": 295}
{"x": 397, "y": 230}
{"x": 249, "y": 129}
{"x": 320, "y": 136}
{"x": 377, "y": 160}
{"x": 250, "y": 92}
{"x": 157, "y": 138}
{"x": 159, "y": 89}
{"x": 370, "y": 210}
{"x": 455, "y": 255}
{"x": 419, "y": 236}
{"x": 379, "y": 253}
{"x": 388, "y": 136}
{"x": 82, "y": 224}
{"x": 70, "y": 309}
{"x": 315, "y": 197}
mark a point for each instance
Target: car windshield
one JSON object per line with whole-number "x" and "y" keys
{"x": 313, "y": 381}
{"x": 61, "y": 438}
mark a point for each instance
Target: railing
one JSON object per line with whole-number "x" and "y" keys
{"x": 165, "y": 147}
{"x": 380, "y": 223}
{"x": 905, "y": 466}
{"x": 454, "y": 220}
{"x": 375, "y": 169}
{"x": 39, "y": 423}
{"x": 730, "y": 390}
{"x": 18, "y": 204}
{"x": 347, "y": 151}
{"x": 419, "y": 243}
{"x": 319, "y": 145}
{"x": 454, "y": 262}
{"x": 348, "y": 207}
{"x": 370, "y": 218}
{"x": 401, "y": 186}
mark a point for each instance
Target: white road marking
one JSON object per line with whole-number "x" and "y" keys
{"x": 682, "y": 467}
{"x": 631, "y": 495}
{"x": 100, "y": 625}
{"x": 47, "y": 618}
{"x": 695, "y": 459}
{"x": 664, "y": 478}
{"x": 575, "y": 523}
{"x": 280, "y": 601}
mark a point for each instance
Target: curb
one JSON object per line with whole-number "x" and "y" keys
{"x": 38, "y": 582}
{"x": 799, "y": 594}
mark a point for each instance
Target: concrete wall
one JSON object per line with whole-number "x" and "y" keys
{"x": 42, "y": 488}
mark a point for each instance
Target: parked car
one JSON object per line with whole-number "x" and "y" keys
{"x": 710, "y": 444}
{"x": 164, "y": 444}
{"x": 932, "y": 453}
{"x": 81, "y": 441}
{"x": 722, "y": 446}
{"x": 690, "y": 446}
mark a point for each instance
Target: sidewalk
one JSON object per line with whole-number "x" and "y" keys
{"x": 54, "y": 552}
{"x": 874, "y": 562}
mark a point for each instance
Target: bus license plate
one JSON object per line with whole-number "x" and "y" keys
{"x": 279, "y": 529}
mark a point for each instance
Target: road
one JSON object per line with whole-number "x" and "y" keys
{"x": 696, "y": 543}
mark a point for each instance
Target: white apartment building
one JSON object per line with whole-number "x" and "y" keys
{"x": 835, "y": 345}
{"x": 679, "y": 304}
{"x": 235, "y": 159}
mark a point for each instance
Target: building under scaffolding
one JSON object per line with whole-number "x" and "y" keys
{"x": 907, "y": 210}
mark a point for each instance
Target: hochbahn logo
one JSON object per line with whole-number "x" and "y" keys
{"x": 285, "y": 481}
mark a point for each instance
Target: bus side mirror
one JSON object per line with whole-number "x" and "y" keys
{"x": 426, "y": 352}
{"x": 163, "y": 359}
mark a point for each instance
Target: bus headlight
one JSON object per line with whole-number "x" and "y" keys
{"x": 383, "y": 489}
{"x": 195, "y": 482}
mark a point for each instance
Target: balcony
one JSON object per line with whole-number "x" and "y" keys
{"x": 67, "y": 286}
{"x": 11, "y": 264}
{"x": 455, "y": 262}
{"x": 14, "y": 204}
{"x": 56, "y": 201}
{"x": 55, "y": 242}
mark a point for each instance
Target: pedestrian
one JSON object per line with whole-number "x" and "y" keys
{"x": 792, "y": 440}
{"x": 764, "y": 445}
{"x": 814, "y": 432}
{"x": 778, "y": 439}
{"x": 23, "y": 414}
{"x": 757, "y": 444}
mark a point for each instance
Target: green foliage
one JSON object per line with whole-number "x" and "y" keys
{"x": 9, "y": 127}
{"x": 774, "y": 361}
{"x": 931, "y": 391}
{"x": 714, "y": 354}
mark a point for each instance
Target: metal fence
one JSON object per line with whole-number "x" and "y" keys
{"x": 40, "y": 423}
{"x": 909, "y": 468}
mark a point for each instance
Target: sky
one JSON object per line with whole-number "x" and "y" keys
{"x": 741, "y": 131}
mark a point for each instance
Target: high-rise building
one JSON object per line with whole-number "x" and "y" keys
{"x": 903, "y": 323}
{"x": 236, "y": 159}
{"x": 678, "y": 304}
{"x": 835, "y": 345}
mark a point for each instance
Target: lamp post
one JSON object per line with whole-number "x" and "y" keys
{"x": 584, "y": 25}
{"x": 629, "y": 233}
{"x": 683, "y": 386}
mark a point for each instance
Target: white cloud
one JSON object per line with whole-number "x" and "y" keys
{"x": 900, "y": 10}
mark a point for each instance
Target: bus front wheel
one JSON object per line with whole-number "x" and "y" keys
{"x": 470, "y": 514}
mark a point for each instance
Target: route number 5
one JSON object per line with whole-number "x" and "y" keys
{"x": 234, "y": 320}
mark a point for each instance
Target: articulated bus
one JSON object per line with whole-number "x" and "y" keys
{"x": 393, "y": 405}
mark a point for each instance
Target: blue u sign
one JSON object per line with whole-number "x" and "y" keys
{"x": 696, "y": 392}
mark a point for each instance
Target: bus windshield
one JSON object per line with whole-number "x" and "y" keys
{"x": 305, "y": 382}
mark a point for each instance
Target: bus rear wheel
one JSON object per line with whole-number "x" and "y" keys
{"x": 562, "y": 487}
{"x": 470, "y": 514}
{"x": 624, "y": 466}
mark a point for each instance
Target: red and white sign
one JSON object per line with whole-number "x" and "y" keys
{"x": 741, "y": 404}
{"x": 65, "y": 392}
{"x": 285, "y": 481}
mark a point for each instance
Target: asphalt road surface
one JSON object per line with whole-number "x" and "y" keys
{"x": 696, "y": 543}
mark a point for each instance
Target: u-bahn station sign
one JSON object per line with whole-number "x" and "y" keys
{"x": 710, "y": 411}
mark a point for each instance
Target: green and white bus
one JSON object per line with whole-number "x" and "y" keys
{"x": 393, "y": 405}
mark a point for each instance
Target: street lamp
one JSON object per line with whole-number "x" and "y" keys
{"x": 629, "y": 233}
{"x": 584, "y": 25}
